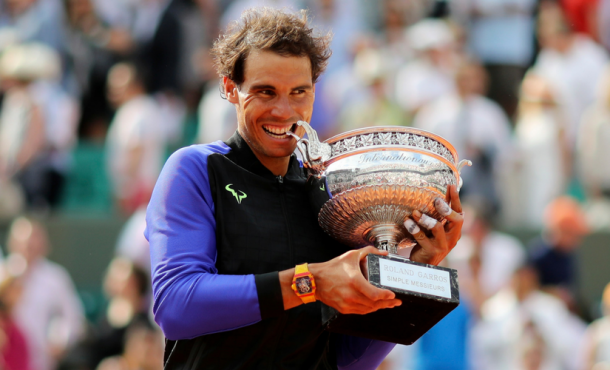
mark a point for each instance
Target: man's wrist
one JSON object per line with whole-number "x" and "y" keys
{"x": 304, "y": 283}
{"x": 288, "y": 295}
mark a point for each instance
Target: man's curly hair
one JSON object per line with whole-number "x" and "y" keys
{"x": 269, "y": 29}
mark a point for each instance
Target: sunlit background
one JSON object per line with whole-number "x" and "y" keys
{"x": 96, "y": 94}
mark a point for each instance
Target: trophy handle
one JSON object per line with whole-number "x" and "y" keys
{"x": 314, "y": 152}
{"x": 461, "y": 164}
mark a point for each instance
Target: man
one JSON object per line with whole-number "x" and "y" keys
{"x": 228, "y": 221}
{"x": 134, "y": 145}
{"x": 475, "y": 125}
{"x": 554, "y": 253}
{"x": 48, "y": 310}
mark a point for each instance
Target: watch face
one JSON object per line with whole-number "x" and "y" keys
{"x": 303, "y": 285}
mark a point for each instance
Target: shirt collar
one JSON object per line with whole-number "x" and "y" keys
{"x": 242, "y": 155}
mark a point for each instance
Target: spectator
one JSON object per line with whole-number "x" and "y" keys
{"x": 131, "y": 243}
{"x": 48, "y": 310}
{"x": 486, "y": 259}
{"x": 159, "y": 35}
{"x": 502, "y": 38}
{"x": 476, "y": 126}
{"x": 127, "y": 288}
{"x": 431, "y": 74}
{"x": 344, "y": 18}
{"x": 553, "y": 255}
{"x": 143, "y": 351}
{"x": 217, "y": 117}
{"x": 593, "y": 151}
{"x": 597, "y": 339}
{"x": 235, "y": 8}
{"x": 519, "y": 315}
{"x": 33, "y": 21}
{"x": 543, "y": 157}
{"x": 93, "y": 46}
{"x": 572, "y": 63}
{"x": 582, "y": 15}
{"x": 14, "y": 352}
{"x": 32, "y": 129}
{"x": 378, "y": 109}
{"x": 134, "y": 146}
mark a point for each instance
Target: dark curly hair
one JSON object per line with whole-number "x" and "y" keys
{"x": 269, "y": 29}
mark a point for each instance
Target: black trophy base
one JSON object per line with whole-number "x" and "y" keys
{"x": 428, "y": 293}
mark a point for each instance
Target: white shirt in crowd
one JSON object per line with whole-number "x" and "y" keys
{"x": 501, "y": 255}
{"x": 540, "y": 172}
{"x": 49, "y": 312}
{"x": 593, "y": 151}
{"x": 501, "y": 32}
{"x": 574, "y": 76}
{"x": 420, "y": 82}
{"x": 477, "y": 122}
{"x": 498, "y": 339}
{"x": 135, "y": 125}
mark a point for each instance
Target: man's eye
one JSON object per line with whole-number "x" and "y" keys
{"x": 299, "y": 92}
{"x": 267, "y": 92}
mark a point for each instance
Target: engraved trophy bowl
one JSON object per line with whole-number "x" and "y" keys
{"x": 365, "y": 184}
{"x": 375, "y": 177}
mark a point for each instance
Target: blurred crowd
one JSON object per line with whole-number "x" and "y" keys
{"x": 520, "y": 87}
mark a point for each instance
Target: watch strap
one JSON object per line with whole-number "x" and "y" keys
{"x": 303, "y": 271}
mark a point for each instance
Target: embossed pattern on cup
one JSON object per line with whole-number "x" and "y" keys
{"x": 376, "y": 177}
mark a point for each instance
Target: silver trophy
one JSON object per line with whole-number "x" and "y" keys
{"x": 371, "y": 180}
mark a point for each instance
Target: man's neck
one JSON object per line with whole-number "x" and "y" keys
{"x": 277, "y": 166}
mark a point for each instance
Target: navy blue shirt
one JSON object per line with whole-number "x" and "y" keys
{"x": 554, "y": 267}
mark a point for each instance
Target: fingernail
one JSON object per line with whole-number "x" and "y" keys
{"x": 416, "y": 213}
{"x": 411, "y": 226}
{"x": 442, "y": 207}
{"x": 427, "y": 221}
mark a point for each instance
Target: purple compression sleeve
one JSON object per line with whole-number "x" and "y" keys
{"x": 355, "y": 353}
{"x": 190, "y": 297}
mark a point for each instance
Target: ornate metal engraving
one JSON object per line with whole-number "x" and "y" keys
{"x": 376, "y": 178}
{"x": 390, "y": 139}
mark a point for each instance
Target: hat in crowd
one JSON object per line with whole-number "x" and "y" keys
{"x": 369, "y": 65}
{"x": 564, "y": 213}
{"x": 29, "y": 62}
{"x": 429, "y": 34}
{"x": 8, "y": 37}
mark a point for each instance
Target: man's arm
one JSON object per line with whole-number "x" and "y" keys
{"x": 190, "y": 297}
{"x": 354, "y": 353}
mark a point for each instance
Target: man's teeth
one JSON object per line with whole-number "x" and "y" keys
{"x": 276, "y": 131}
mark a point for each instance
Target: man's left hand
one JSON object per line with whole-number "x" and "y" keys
{"x": 432, "y": 250}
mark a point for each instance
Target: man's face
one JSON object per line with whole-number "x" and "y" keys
{"x": 277, "y": 92}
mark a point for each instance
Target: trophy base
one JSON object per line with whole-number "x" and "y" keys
{"x": 428, "y": 293}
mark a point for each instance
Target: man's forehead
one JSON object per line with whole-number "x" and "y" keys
{"x": 273, "y": 68}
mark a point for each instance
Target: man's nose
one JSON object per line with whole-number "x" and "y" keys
{"x": 282, "y": 108}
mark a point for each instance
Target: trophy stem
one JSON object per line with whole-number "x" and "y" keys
{"x": 384, "y": 237}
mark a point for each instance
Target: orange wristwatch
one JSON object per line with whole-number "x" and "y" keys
{"x": 304, "y": 284}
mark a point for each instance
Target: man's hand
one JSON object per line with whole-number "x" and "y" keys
{"x": 433, "y": 250}
{"x": 341, "y": 284}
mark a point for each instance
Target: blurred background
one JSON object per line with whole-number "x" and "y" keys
{"x": 96, "y": 94}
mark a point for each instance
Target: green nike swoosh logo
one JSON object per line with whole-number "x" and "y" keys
{"x": 323, "y": 188}
{"x": 238, "y": 197}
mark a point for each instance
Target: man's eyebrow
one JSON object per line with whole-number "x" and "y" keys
{"x": 303, "y": 87}
{"x": 271, "y": 87}
{"x": 262, "y": 87}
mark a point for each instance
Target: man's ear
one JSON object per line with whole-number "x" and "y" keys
{"x": 230, "y": 90}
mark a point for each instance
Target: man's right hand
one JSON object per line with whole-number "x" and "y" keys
{"x": 341, "y": 284}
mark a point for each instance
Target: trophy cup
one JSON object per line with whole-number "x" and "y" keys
{"x": 365, "y": 184}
